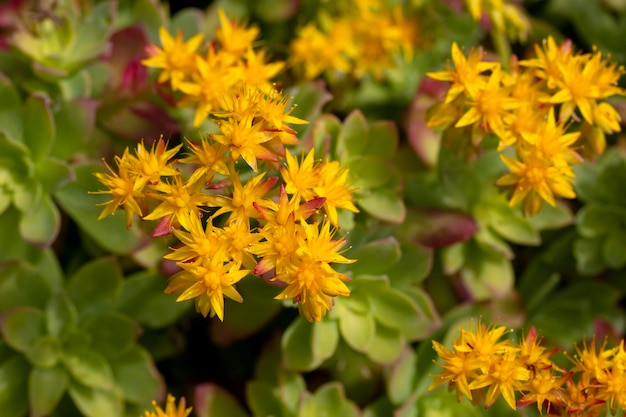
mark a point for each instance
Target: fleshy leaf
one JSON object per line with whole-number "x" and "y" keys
{"x": 94, "y": 402}
{"x": 45, "y": 389}
{"x": 10, "y": 109}
{"x": 61, "y": 316}
{"x": 39, "y": 128}
{"x": 41, "y": 224}
{"x": 112, "y": 334}
{"x": 353, "y": 137}
{"x": 95, "y": 285}
{"x": 384, "y": 204}
{"x": 21, "y": 284}
{"x": 386, "y": 345}
{"x": 369, "y": 171}
{"x": 88, "y": 367}
{"x": 14, "y": 376}
{"x": 375, "y": 257}
{"x": 22, "y": 326}
{"x": 211, "y": 400}
{"x": 296, "y": 346}
{"x": 325, "y": 338}
{"x": 142, "y": 298}
{"x": 137, "y": 375}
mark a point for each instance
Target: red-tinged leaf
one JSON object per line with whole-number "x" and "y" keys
{"x": 437, "y": 228}
{"x": 424, "y": 141}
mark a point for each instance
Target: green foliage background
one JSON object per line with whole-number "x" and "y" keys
{"x": 85, "y": 327}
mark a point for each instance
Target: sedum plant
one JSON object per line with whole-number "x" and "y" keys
{"x": 360, "y": 177}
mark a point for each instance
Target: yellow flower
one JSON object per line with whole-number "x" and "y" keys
{"x": 255, "y": 69}
{"x": 171, "y": 410}
{"x": 279, "y": 246}
{"x": 156, "y": 163}
{"x": 233, "y": 37}
{"x": 207, "y": 84}
{"x": 333, "y": 185}
{"x": 316, "y": 241}
{"x": 124, "y": 187}
{"x": 176, "y": 59}
{"x": 208, "y": 281}
{"x": 466, "y": 77}
{"x": 244, "y": 197}
{"x": 459, "y": 369}
{"x": 316, "y": 52}
{"x": 489, "y": 105}
{"x": 178, "y": 200}
{"x": 312, "y": 285}
{"x": 583, "y": 80}
{"x": 244, "y": 138}
{"x": 504, "y": 375}
{"x": 198, "y": 242}
{"x": 300, "y": 178}
{"x": 210, "y": 158}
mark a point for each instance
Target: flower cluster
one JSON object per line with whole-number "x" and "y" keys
{"x": 361, "y": 36}
{"x": 482, "y": 366}
{"x": 504, "y": 16}
{"x": 230, "y": 219}
{"x": 532, "y": 108}
{"x": 203, "y": 78}
{"x": 171, "y": 410}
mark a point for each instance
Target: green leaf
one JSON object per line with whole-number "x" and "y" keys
{"x": 137, "y": 375}
{"x": 22, "y": 284}
{"x": 487, "y": 274}
{"x": 88, "y": 367}
{"x": 588, "y": 254}
{"x": 511, "y": 225}
{"x": 613, "y": 250}
{"x": 369, "y": 171}
{"x": 395, "y": 310}
{"x": 572, "y": 311}
{"x": 45, "y": 352}
{"x": 74, "y": 120}
{"x": 375, "y": 257}
{"x": 53, "y": 173}
{"x": 353, "y": 138}
{"x": 110, "y": 232}
{"x": 10, "y": 109}
{"x": 356, "y": 328}
{"x": 39, "y": 128}
{"x": 440, "y": 403}
{"x": 61, "y": 316}
{"x": 401, "y": 380}
{"x": 40, "y": 225}
{"x": 45, "y": 389}
{"x": 325, "y": 338}
{"x": 263, "y": 399}
{"x": 413, "y": 267}
{"x": 383, "y": 204}
{"x": 386, "y": 345}
{"x": 325, "y": 132}
{"x": 95, "y": 285}
{"x": 247, "y": 318}
{"x": 143, "y": 299}
{"x": 296, "y": 345}
{"x": 596, "y": 220}
{"x": 211, "y": 400}
{"x": 382, "y": 139}
{"x": 329, "y": 400}
{"x": 21, "y": 327}
{"x": 188, "y": 21}
{"x": 112, "y": 334}
{"x": 94, "y": 402}
{"x": 291, "y": 385}
{"x": 14, "y": 386}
